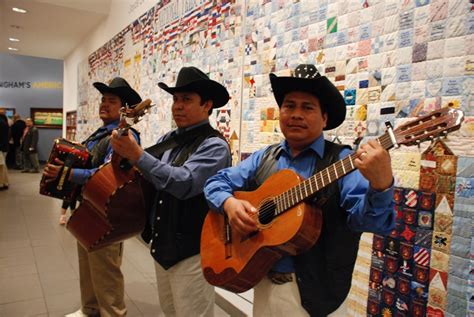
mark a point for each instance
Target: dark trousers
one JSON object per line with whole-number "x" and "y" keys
{"x": 69, "y": 203}
{"x": 30, "y": 161}
{"x": 18, "y": 157}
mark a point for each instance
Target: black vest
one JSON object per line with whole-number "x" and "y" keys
{"x": 178, "y": 223}
{"x": 323, "y": 273}
{"x": 99, "y": 150}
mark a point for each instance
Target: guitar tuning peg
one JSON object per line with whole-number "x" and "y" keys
{"x": 418, "y": 144}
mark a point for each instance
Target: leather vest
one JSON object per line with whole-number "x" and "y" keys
{"x": 323, "y": 273}
{"x": 178, "y": 223}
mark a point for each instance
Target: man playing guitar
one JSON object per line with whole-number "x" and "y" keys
{"x": 178, "y": 174}
{"x": 315, "y": 282}
{"x": 100, "y": 277}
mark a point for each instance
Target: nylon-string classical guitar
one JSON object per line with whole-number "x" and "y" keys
{"x": 287, "y": 224}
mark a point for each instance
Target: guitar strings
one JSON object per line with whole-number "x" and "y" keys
{"x": 384, "y": 140}
{"x": 272, "y": 209}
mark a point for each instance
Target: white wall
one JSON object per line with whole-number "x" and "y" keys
{"x": 122, "y": 13}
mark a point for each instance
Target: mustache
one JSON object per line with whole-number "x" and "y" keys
{"x": 296, "y": 125}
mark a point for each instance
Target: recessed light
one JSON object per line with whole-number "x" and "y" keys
{"x": 12, "y": 39}
{"x": 12, "y": 49}
{"x": 19, "y": 10}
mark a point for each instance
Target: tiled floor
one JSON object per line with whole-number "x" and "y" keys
{"x": 38, "y": 260}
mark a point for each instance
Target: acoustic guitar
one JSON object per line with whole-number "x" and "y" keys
{"x": 287, "y": 225}
{"x": 115, "y": 198}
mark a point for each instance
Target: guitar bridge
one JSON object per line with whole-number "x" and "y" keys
{"x": 227, "y": 238}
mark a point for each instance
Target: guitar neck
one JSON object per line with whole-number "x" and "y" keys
{"x": 309, "y": 187}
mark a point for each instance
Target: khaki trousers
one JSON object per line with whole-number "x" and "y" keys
{"x": 271, "y": 299}
{"x": 3, "y": 169}
{"x": 183, "y": 291}
{"x": 101, "y": 281}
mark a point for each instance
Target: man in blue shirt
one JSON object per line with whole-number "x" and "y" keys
{"x": 315, "y": 282}
{"x": 100, "y": 277}
{"x": 178, "y": 174}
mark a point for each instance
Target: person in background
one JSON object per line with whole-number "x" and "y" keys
{"x": 17, "y": 129}
{"x": 315, "y": 282}
{"x": 100, "y": 277}
{"x": 4, "y": 136}
{"x": 29, "y": 148}
{"x": 176, "y": 219}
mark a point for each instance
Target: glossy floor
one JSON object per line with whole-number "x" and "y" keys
{"x": 38, "y": 259}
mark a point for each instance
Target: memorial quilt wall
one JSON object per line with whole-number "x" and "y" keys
{"x": 461, "y": 261}
{"x": 390, "y": 59}
{"x": 152, "y": 49}
{"x": 411, "y": 267}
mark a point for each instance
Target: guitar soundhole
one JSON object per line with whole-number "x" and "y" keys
{"x": 266, "y": 212}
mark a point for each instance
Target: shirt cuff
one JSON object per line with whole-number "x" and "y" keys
{"x": 146, "y": 162}
{"x": 379, "y": 199}
{"x": 79, "y": 175}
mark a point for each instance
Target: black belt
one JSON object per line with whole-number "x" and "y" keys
{"x": 279, "y": 277}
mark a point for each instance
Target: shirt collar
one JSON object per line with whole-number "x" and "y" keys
{"x": 317, "y": 146}
{"x": 181, "y": 130}
{"x": 110, "y": 126}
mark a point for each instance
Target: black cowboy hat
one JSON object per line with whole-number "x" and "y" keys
{"x": 307, "y": 79}
{"x": 119, "y": 87}
{"x": 193, "y": 79}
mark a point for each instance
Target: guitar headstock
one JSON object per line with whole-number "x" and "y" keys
{"x": 434, "y": 124}
{"x": 135, "y": 113}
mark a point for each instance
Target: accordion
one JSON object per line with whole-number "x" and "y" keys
{"x": 74, "y": 155}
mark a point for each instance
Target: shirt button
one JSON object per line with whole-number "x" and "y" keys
{"x": 158, "y": 218}
{"x": 152, "y": 250}
{"x": 160, "y": 202}
{"x": 156, "y": 234}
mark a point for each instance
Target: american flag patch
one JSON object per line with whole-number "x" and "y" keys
{"x": 421, "y": 256}
{"x": 411, "y": 198}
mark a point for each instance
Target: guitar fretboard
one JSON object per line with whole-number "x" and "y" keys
{"x": 321, "y": 179}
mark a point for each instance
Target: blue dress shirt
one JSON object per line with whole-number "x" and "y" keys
{"x": 81, "y": 175}
{"x": 188, "y": 180}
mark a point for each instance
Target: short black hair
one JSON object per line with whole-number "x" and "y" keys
{"x": 204, "y": 98}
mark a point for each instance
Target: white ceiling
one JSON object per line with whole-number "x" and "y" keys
{"x": 50, "y": 28}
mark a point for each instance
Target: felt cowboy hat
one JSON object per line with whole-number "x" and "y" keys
{"x": 306, "y": 78}
{"x": 119, "y": 87}
{"x": 193, "y": 79}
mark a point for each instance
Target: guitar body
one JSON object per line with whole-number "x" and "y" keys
{"x": 240, "y": 264}
{"x": 113, "y": 209}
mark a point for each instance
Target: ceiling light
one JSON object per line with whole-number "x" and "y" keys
{"x": 19, "y": 10}
{"x": 12, "y": 39}
{"x": 12, "y": 49}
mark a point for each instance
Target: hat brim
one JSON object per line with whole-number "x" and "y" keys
{"x": 128, "y": 95}
{"x": 210, "y": 88}
{"x": 328, "y": 95}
